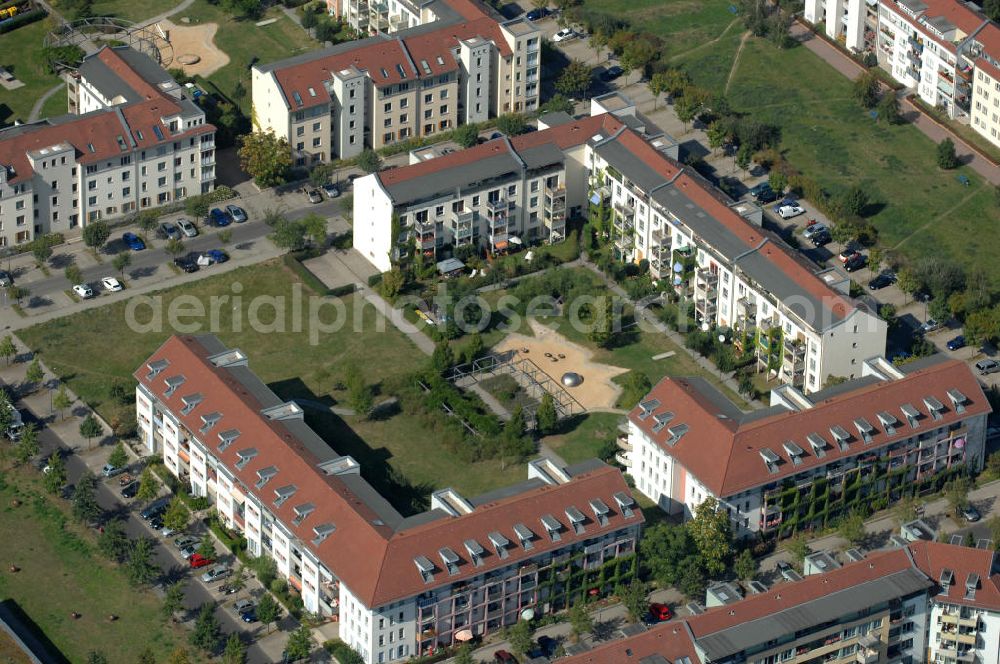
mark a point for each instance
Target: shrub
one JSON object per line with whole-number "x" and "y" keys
{"x": 22, "y": 20}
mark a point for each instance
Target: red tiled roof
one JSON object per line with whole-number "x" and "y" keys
{"x": 989, "y": 37}
{"x": 113, "y": 61}
{"x": 571, "y": 134}
{"x": 963, "y": 17}
{"x": 993, "y": 72}
{"x": 375, "y": 562}
{"x": 443, "y": 162}
{"x": 724, "y": 454}
{"x": 934, "y": 557}
{"x": 671, "y": 640}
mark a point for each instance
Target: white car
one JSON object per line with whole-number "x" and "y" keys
{"x": 83, "y": 291}
{"x": 111, "y": 284}
{"x": 187, "y": 228}
{"x": 563, "y": 35}
{"x": 789, "y": 211}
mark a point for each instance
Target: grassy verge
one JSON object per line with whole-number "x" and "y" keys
{"x": 585, "y": 437}
{"x": 21, "y": 54}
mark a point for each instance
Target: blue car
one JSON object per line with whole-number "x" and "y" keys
{"x": 218, "y": 218}
{"x": 133, "y": 242}
{"x": 956, "y": 343}
{"x": 217, "y": 255}
{"x": 787, "y": 201}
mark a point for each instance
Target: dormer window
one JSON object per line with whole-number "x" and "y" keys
{"x": 600, "y": 510}
{"x": 675, "y": 433}
{"x": 301, "y": 512}
{"x": 155, "y": 368}
{"x": 281, "y": 494}
{"x": 227, "y": 437}
{"x": 625, "y": 503}
{"x": 889, "y": 422}
{"x": 322, "y": 531}
{"x": 864, "y": 428}
{"x": 191, "y": 401}
{"x": 934, "y": 407}
{"x": 911, "y": 414}
{"x": 209, "y": 421}
{"x": 500, "y": 544}
{"x": 524, "y": 535}
{"x": 245, "y": 457}
{"x": 840, "y": 435}
{"x": 475, "y": 551}
{"x": 264, "y": 475}
{"x": 661, "y": 420}
{"x": 425, "y": 567}
{"x": 647, "y": 408}
{"x": 818, "y": 444}
{"x": 172, "y": 384}
{"x": 958, "y": 400}
{"x": 552, "y": 527}
{"x": 794, "y": 452}
{"x": 576, "y": 519}
{"x": 450, "y": 560}
{"x": 771, "y": 460}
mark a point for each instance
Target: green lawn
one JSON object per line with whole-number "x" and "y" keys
{"x": 825, "y": 134}
{"x": 131, "y": 10}
{"x": 21, "y": 54}
{"x": 61, "y": 572}
{"x": 585, "y": 437}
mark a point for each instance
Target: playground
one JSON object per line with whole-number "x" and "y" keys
{"x": 194, "y": 47}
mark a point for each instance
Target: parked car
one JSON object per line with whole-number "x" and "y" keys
{"x": 767, "y": 196}
{"x": 987, "y": 366}
{"x": 111, "y": 284}
{"x": 228, "y": 588}
{"x": 956, "y": 343}
{"x": 242, "y": 605}
{"x": 781, "y": 567}
{"x": 760, "y": 188}
{"x": 504, "y": 657}
{"x": 814, "y": 230}
{"x": 314, "y": 196}
{"x": 970, "y": 514}
{"x": 187, "y": 263}
{"x": 188, "y": 551}
{"x": 789, "y": 211}
{"x": 658, "y": 613}
{"x": 249, "y": 616}
{"x": 331, "y": 190}
{"x": 546, "y": 647}
{"x": 237, "y": 213}
{"x": 168, "y": 231}
{"x": 881, "y": 281}
{"x": 197, "y": 560}
{"x": 563, "y": 35}
{"x": 930, "y": 326}
{"x": 133, "y": 241}
{"x": 111, "y": 471}
{"x": 613, "y": 72}
{"x": 785, "y": 201}
{"x": 167, "y": 531}
{"x": 156, "y": 508}
{"x": 156, "y": 523}
{"x": 822, "y": 238}
{"x": 856, "y": 262}
{"x": 185, "y": 541}
{"x": 217, "y": 217}
{"x": 187, "y": 228}
{"x": 216, "y": 573}
{"x": 130, "y": 489}
{"x": 83, "y": 291}
{"x": 536, "y": 14}
{"x": 5, "y": 279}
{"x": 846, "y": 254}
{"x": 213, "y": 256}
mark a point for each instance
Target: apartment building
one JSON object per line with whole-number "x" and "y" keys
{"x": 904, "y": 605}
{"x": 843, "y": 20}
{"x": 808, "y": 459}
{"x": 134, "y": 142}
{"x": 399, "y": 586}
{"x": 386, "y": 16}
{"x": 464, "y": 67}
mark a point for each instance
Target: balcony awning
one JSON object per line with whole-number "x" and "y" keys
{"x": 502, "y": 244}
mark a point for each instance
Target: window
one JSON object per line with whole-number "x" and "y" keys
{"x": 300, "y": 130}
{"x": 429, "y": 98}
{"x": 91, "y": 185}
{"x": 404, "y": 102}
{"x": 444, "y": 109}
{"x": 316, "y": 142}
{"x": 316, "y": 126}
{"x": 388, "y": 107}
{"x": 388, "y": 137}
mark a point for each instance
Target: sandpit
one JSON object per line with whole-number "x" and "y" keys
{"x": 596, "y": 392}
{"x": 197, "y": 41}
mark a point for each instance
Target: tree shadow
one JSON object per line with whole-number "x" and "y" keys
{"x": 605, "y": 629}
{"x": 36, "y": 301}
{"x": 141, "y": 272}
{"x": 62, "y": 261}
{"x": 30, "y": 633}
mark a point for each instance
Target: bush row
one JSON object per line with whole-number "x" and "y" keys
{"x": 22, "y": 20}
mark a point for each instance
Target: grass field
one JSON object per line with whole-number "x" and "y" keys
{"x": 585, "y": 436}
{"x": 61, "y": 572}
{"x": 293, "y": 368}
{"x": 131, "y": 10}
{"x": 21, "y": 54}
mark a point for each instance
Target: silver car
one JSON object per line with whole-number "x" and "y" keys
{"x": 187, "y": 228}
{"x": 215, "y": 573}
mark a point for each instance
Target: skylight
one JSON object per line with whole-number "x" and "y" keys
{"x": 158, "y": 132}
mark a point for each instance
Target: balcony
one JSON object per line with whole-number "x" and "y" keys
{"x": 624, "y": 213}
{"x": 555, "y": 198}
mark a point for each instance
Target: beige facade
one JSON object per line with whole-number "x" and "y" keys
{"x": 986, "y": 102}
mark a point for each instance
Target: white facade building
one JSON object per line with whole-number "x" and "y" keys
{"x": 843, "y": 19}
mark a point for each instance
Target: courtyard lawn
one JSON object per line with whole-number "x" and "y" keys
{"x": 21, "y": 54}
{"x": 61, "y": 571}
{"x": 585, "y": 437}
{"x": 916, "y": 207}
{"x": 130, "y": 10}
{"x": 293, "y": 368}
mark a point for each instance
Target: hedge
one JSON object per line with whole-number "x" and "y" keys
{"x": 310, "y": 279}
{"x": 22, "y": 20}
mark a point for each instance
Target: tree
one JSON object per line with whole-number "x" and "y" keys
{"x": 580, "y": 621}
{"x": 266, "y": 157}
{"x": 602, "y": 330}
{"x": 905, "y": 509}
{"x": 96, "y": 657}
{"x": 139, "y": 566}
{"x": 743, "y": 156}
{"x": 957, "y": 493}
{"x": 688, "y": 106}
{"x": 85, "y": 507}
{"x": 112, "y": 542}
{"x": 466, "y": 135}
{"x": 946, "y": 157}
{"x": 657, "y": 86}
{"x": 711, "y": 532}
{"x": 463, "y": 655}
{"x": 691, "y": 579}
{"x": 636, "y": 55}
{"x": 314, "y": 229}
{"x": 745, "y": 566}
{"x": 119, "y": 457}
{"x": 475, "y": 347}
{"x": 41, "y": 250}
{"x": 300, "y": 644}
{"x": 309, "y": 19}
{"x": 369, "y": 161}
{"x": 268, "y": 610}
{"x": 236, "y": 650}
{"x": 34, "y": 373}
{"x": 546, "y": 418}
{"x": 147, "y": 222}
{"x": 852, "y": 528}
{"x": 90, "y": 428}
{"x": 61, "y": 401}
{"x": 175, "y": 246}
{"x": 662, "y": 551}
{"x": 177, "y": 515}
{"x": 28, "y": 446}
{"x": 7, "y": 349}
{"x": 853, "y": 201}
{"x": 197, "y": 207}
{"x": 511, "y": 124}
{"x": 265, "y": 568}
{"x": 359, "y": 394}
{"x": 539, "y": 4}
{"x": 149, "y": 486}
{"x": 206, "y": 549}
{"x": 443, "y": 357}
{"x": 798, "y": 546}
{"x": 392, "y": 283}
{"x": 888, "y": 108}
{"x": 865, "y": 89}
{"x": 574, "y": 79}
{"x": 519, "y": 635}
{"x": 95, "y": 234}
{"x": 121, "y": 262}
{"x": 992, "y": 9}
{"x": 173, "y": 600}
{"x": 207, "y": 631}
{"x": 74, "y": 274}
{"x": 633, "y": 597}
{"x": 290, "y": 235}
{"x": 55, "y": 475}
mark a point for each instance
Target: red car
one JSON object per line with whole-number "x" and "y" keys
{"x": 660, "y": 612}
{"x": 197, "y": 560}
{"x": 504, "y": 657}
